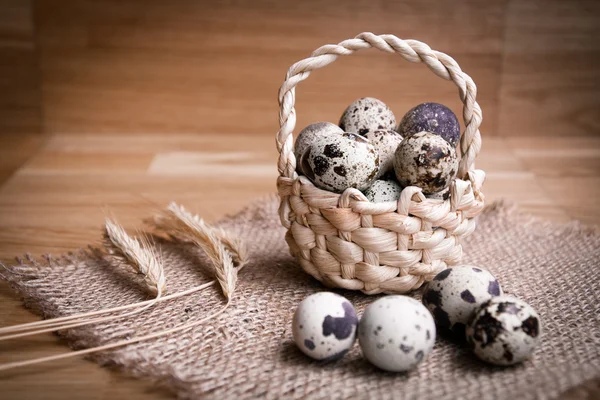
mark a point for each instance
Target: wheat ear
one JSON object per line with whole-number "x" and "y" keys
{"x": 233, "y": 244}
{"x": 162, "y": 221}
{"x": 142, "y": 255}
{"x": 225, "y": 272}
{"x": 177, "y": 221}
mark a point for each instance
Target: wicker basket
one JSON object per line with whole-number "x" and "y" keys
{"x": 345, "y": 241}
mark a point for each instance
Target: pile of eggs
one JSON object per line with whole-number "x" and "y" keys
{"x": 368, "y": 152}
{"x": 396, "y": 333}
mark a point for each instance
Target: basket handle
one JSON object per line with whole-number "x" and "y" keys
{"x": 441, "y": 64}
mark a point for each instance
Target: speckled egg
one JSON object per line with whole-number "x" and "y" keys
{"x": 366, "y": 115}
{"x": 338, "y": 162}
{"x": 381, "y": 191}
{"x": 427, "y": 161}
{"x": 308, "y": 135}
{"x": 385, "y": 142}
{"x": 455, "y": 294}
{"x": 505, "y": 331}
{"x": 396, "y": 333}
{"x": 442, "y": 195}
{"x": 324, "y": 326}
{"x": 431, "y": 117}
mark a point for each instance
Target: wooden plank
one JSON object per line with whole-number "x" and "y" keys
{"x": 20, "y": 103}
{"x": 550, "y": 78}
{"x": 193, "y": 66}
{"x": 559, "y": 157}
{"x": 15, "y": 150}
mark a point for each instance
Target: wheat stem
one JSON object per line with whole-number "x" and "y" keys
{"x": 4, "y": 367}
{"x": 83, "y": 321}
{"x": 141, "y": 255}
{"x": 63, "y": 320}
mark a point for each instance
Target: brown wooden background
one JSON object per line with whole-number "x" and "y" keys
{"x": 117, "y": 69}
{"x": 190, "y": 66}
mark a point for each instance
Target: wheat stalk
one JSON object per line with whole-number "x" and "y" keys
{"x": 6, "y": 366}
{"x": 70, "y": 321}
{"x": 163, "y": 221}
{"x": 140, "y": 254}
{"x": 234, "y": 245}
{"x": 216, "y": 243}
{"x": 177, "y": 221}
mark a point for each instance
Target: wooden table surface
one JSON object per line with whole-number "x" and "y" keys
{"x": 56, "y": 201}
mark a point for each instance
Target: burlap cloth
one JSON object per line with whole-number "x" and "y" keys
{"x": 248, "y": 351}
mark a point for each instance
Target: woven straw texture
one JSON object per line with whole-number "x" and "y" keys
{"x": 344, "y": 240}
{"x": 248, "y": 352}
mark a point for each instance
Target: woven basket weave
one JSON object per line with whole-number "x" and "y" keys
{"x": 345, "y": 241}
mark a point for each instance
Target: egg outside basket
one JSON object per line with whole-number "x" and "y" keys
{"x": 345, "y": 241}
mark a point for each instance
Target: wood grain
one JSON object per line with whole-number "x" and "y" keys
{"x": 15, "y": 150}
{"x": 20, "y": 103}
{"x": 186, "y": 66}
{"x": 550, "y": 76}
{"x": 212, "y": 66}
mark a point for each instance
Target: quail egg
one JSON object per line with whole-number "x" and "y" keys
{"x": 427, "y": 161}
{"x": 324, "y": 326}
{"x": 338, "y": 162}
{"x": 366, "y": 115}
{"x": 431, "y": 117}
{"x": 385, "y": 142}
{"x": 455, "y": 294}
{"x": 308, "y": 135}
{"x": 504, "y": 331}
{"x": 396, "y": 333}
{"x": 381, "y": 191}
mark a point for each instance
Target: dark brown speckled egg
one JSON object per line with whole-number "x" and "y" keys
{"x": 427, "y": 161}
{"x": 431, "y": 117}
{"x": 367, "y": 115}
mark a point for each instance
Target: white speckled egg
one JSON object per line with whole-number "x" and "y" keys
{"x": 324, "y": 326}
{"x": 308, "y": 135}
{"x": 505, "y": 331}
{"x": 427, "y": 161}
{"x": 338, "y": 162}
{"x": 366, "y": 115}
{"x": 381, "y": 191}
{"x": 385, "y": 142}
{"x": 455, "y": 294}
{"x": 396, "y": 333}
{"x": 442, "y": 195}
